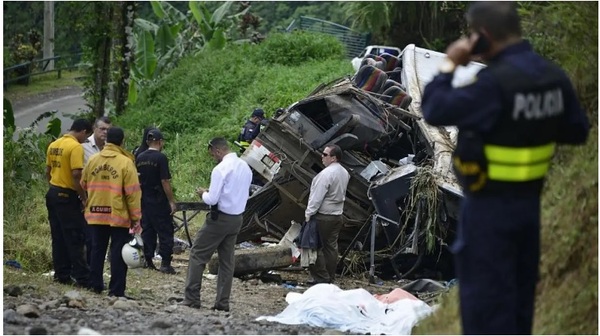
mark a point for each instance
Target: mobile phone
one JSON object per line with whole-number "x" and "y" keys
{"x": 481, "y": 45}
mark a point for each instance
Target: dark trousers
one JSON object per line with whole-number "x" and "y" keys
{"x": 497, "y": 254}
{"x": 219, "y": 235}
{"x": 101, "y": 234}
{"x": 88, "y": 243}
{"x": 67, "y": 224}
{"x": 329, "y": 226}
{"x": 157, "y": 221}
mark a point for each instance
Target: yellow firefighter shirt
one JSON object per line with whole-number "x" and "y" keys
{"x": 111, "y": 181}
{"x": 64, "y": 155}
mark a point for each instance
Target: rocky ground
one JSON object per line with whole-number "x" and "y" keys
{"x": 33, "y": 304}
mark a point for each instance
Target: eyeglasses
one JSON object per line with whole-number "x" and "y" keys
{"x": 325, "y": 154}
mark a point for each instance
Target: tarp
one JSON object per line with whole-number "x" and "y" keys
{"x": 354, "y": 310}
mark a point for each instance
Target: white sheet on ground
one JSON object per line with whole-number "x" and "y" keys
{"x": 354, "y": 310}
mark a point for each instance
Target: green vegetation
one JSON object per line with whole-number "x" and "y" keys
{"x": 212, "y": 93}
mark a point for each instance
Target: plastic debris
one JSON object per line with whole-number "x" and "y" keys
{"x": 13, "y": 263}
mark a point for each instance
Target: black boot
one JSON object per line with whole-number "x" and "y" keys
{"x": 166, "y": 267}
{"x": 149, "y": 264}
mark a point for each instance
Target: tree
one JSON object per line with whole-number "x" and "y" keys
{"x": 430, "y": 24}
{"x": 49, "y": 32}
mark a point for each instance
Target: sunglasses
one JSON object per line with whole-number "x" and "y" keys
{"x": 325, "y": 154}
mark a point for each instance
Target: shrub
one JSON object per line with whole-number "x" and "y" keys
{"x": 299, "y": 46}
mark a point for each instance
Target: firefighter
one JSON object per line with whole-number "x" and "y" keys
{"x": 509, "y": 119}
{"x": 65, "y": 200}
{"x": 113, "y": 207}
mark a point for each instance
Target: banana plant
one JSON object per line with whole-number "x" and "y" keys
{"x": 159, "y": 46}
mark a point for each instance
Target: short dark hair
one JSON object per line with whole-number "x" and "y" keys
{"x": 499, "y": 18}
{"x": 218, "y": 143}
{"x": 81, "y": 125}
{"x": 115, "y": 135}
{"x": 104, "y": 119}
{"x": 335, "y": 151}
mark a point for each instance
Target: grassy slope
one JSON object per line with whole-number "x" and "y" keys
{"x": 567, "y": 301}
{"x": 212, "y": 95}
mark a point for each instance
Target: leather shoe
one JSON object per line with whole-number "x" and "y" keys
{"x": 189, "y": 304}
{"x": 223, "y": 309}
{"x": 312, "y": 282}
{"x": 167, "y": 270}
{"x": 123, "y": 296}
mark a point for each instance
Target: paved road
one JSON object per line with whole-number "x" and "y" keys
{"x": 65, "y": 101}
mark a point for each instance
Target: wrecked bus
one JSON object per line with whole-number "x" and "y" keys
{"x": 401, "y": 204}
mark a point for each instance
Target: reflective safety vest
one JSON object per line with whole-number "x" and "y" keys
{"x": 517, "y": 151}
{"x": 514, "y": 164}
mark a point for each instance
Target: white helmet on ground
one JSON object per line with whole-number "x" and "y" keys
{"x": 133, "y": 253}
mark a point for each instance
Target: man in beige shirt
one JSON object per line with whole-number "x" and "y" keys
{"x": 326, "y": 205}
{"x": 96, "y": 141}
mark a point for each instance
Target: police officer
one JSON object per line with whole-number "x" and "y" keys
{"x": 252, "y": 127}
{"x": 65, "y": 200}
{"x": 158, "y": 202}
{"x": 510, "y": 120}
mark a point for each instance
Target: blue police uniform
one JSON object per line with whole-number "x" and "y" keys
{"x": 249, "y": 132}
{"x": 509, "y": 120}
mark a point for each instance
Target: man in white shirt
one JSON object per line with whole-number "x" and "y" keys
{"x": 96, "y": 141}
{"x": 94, "y": 144}
{"x": 227, "y": 195}
{"x": 326, "y": 205}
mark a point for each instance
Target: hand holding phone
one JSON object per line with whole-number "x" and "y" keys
{"x": 481, "y": 44}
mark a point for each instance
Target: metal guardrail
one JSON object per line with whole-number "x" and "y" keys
{"x": 66, "y": 62}
{"x": 354, "y": 41}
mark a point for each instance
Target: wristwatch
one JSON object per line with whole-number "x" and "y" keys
{"x": 447, "y": 66}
